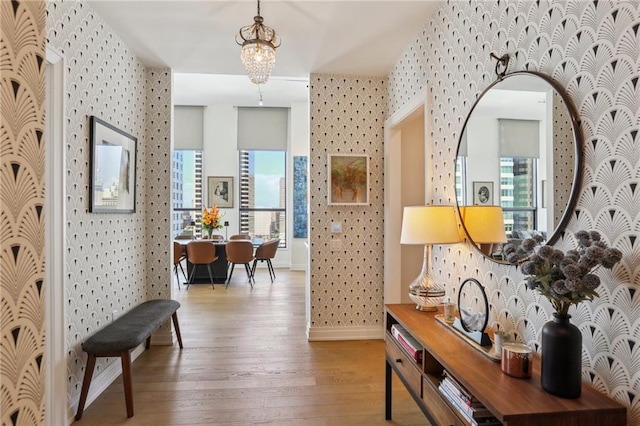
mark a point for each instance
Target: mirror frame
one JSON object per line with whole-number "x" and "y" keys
{"x": 578, "y": 139}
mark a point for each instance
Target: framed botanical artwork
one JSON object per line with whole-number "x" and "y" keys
{"x": 220, "y": 191}
{"x": 112, "y": 169}
{"x": 483, "y": 193}
{"x": 348, "y": 179}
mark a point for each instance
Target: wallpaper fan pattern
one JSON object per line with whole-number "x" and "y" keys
{"x": 592, "y": 49}
{"x": 22, "y": 153}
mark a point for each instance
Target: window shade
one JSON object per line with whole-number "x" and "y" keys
{"x": 188, "y": 129}
{"x": 263, "y": 129}
{"x": 519, "y": 138}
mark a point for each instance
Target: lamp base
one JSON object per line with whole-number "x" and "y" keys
{"x": 426, "y": 300}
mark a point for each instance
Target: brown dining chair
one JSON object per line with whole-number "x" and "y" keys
{"x": 217, "y": 237}
{"x": 201, "y": 253}
{"x": 240, "y": 237}
{"x": 184, "y": 237}
{"x": 178, "y": 257}
{"x": 240, "y": 252}
{"x": 264, "y": 253}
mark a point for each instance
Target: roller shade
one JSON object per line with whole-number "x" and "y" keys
{"x": 263, "y": 129}
{"x": 519, "y": 138}
{"x": 188, "y": 127}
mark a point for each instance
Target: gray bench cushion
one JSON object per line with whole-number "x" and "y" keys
{"x": 132, "y": 328}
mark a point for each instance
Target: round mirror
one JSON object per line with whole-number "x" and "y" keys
{"x": 521, "y": 150}
{"x": 473, "y": 306}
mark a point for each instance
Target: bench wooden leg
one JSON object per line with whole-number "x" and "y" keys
{"x": 125, "y": 358}
{"x": 88, "y": 374}
{"x": 176, "y": 326}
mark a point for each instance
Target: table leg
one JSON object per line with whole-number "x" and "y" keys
{"x": 387, "y": 391}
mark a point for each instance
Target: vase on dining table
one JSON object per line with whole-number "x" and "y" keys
{"x": 209, "y": 233}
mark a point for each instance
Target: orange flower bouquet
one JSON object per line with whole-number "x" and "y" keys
{"x": 211, "y": 219}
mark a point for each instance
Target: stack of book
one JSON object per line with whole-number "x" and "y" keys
{"x": 466, "y": 404}
{"x": 407, "y": 341}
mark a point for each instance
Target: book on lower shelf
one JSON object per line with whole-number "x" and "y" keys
{"x": 465, "y": 403}
{"x": 407, "y": 341}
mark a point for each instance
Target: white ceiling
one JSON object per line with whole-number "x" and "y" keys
{"x": 353, "y": 37}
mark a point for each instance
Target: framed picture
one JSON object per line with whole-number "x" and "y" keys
{"x": 220, "y": 191}
{"x": 483, "y": 193}
{"x": 112, "y": 169}
{"x": 348, "y": 179}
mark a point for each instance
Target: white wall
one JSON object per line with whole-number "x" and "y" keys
{"x": 220, "y": 158}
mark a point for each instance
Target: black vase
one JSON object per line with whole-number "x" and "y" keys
{"x": 561, "y": 357}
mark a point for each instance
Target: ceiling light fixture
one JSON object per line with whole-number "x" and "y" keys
{"x": 259, "y": 44}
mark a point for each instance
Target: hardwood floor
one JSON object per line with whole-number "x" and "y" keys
{"x": 246, "y": 361}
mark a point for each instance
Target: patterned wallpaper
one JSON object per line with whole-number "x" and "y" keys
{"x": 22, "y": 149}
{"x": 347, "y": 116}
{"x": 105, "y": 265}
{"x": 159, "y": 165}
{"x": 592, "y": 49}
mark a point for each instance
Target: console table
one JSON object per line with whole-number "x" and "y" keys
{"x": 515, "y": 402}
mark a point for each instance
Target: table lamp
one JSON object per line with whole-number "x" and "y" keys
{"x": 427, "y": 225}
{"x": 484, "y": 225}
{"x": 226, "y": 230}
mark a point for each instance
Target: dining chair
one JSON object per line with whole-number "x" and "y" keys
{"x": 184, "y": 237}
{"x": 240, "y": 237}
{"x": 178, "y": 257}
{"x": 240, "y": 252}
{"x": 201, "y": 253}
{"x": 264, "y": 253}
{"x": 217, "y": 237}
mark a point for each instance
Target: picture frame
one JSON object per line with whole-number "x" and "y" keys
{"x": 220, "y": 189}
{"x": 347, "y": 179}
{"x": 483, "y": 193}
{"x": 112, "y": 168}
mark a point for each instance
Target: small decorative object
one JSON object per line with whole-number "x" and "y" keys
{"x": 473, "y": 307}
{"x": 483, "y": 193}
{"x": 565, "y": 280}
{"x": 221, "y": 191}
{"x": 500, "y": 338}
{"x": 348, "y": 182}
{"x": 516, "y": 360}
{"x": 449, "y": 311}
{"x": 113, "y": 169}
{"x": 211, "y": 219}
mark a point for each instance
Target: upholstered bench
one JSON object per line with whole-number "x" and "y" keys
{"x": 119, "y": 337}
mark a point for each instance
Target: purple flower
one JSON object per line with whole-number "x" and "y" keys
{"x": 559, "y": 288}
{"x": 610, "y": 257}
{"x": 572, "y": 271}
{"x": 528, "y": 244}
{"x": 572, "y": 284}
{"x": 545, "y": 252}
{"x": 557, "y": 256}
{"x": 595, "y": 235}
{"x": 591, "y": 281}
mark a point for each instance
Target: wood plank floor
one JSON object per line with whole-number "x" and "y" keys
{"x": 246, "y": 361}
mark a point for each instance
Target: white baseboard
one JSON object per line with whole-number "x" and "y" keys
{"x": 298, "y": 267}
{"x": 101, "y": 382}
{"x": 163, "y": 338}
{"x": 317, "y": 334}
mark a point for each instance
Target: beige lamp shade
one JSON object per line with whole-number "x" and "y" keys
{"x": 429, "y": 225}
{"x": 484, "y": 224}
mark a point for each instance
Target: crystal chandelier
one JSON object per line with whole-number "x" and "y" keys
{"x": 259, "y": 44}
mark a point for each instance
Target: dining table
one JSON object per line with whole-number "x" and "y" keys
{"x": 219, "y": 267}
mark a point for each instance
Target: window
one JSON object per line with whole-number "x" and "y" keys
{"x": 262, "y": 194}
{"x": 187, "y": 193}
{"x": 518, "y": 192}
